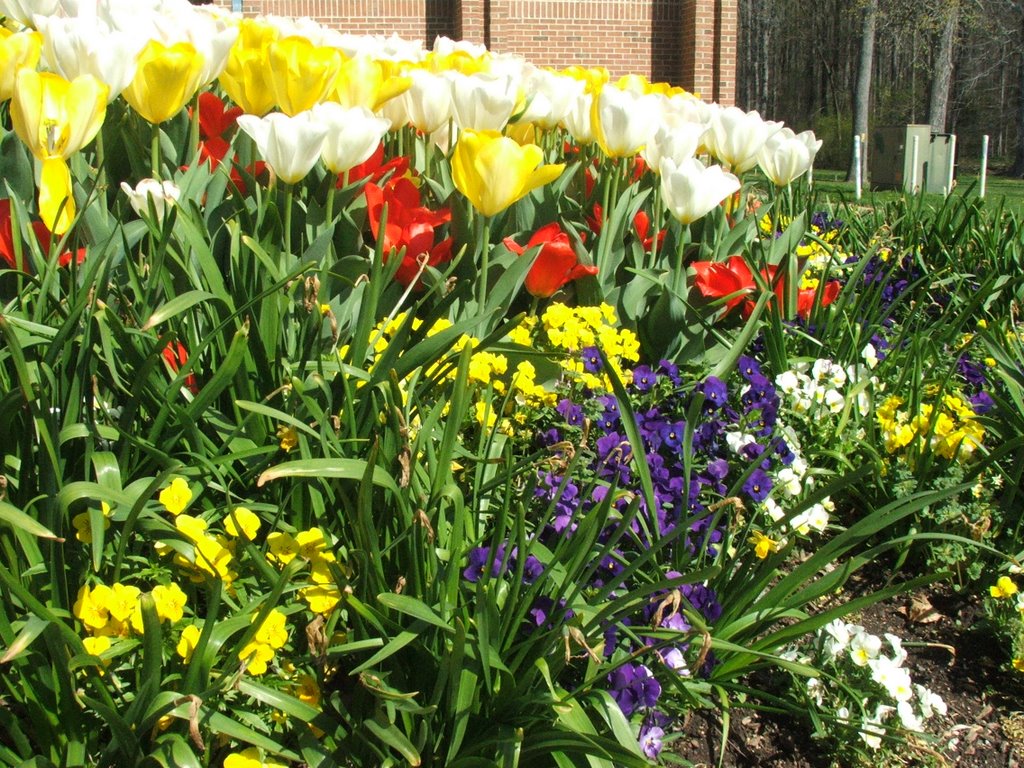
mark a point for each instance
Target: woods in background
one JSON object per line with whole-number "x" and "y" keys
{"x": 956, "y": 64}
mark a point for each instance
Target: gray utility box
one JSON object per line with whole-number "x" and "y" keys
{"x": 891, "y": 158}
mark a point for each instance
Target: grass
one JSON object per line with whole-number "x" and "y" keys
{"x": 1000, "y": 190}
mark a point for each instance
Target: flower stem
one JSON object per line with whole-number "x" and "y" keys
{"x": 484, "y": 244}
{"x": 154, "y": 150}
{"x": 289, "y": 200}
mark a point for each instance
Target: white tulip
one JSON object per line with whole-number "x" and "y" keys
{"x": 290, "y": 145}
{"x": 786, "y": 156}
{"x": 690, "y": 189}
{"x": 735, "y": 137}
{"x": 551, "y": 98}
{"x": 428, "y": 102}
{"x": 675, "y": 138}
{"x": 482, "y": 102}
{"x": 87, "y": 46}
{"x": 624, "y": 120}
{"x": 577, "y": 120}
{"x": 352, "y": 134}
{"x": 24, "y": 11}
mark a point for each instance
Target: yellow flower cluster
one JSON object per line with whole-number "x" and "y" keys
{"x": 250, "y": 758}
{"x": 115, "y": 611}
{"x": 574, "y": 329}
{"x": 269, "y": 638}
{"x": 949, "y": 427}
{"x": 210, "y": 554}
{"x": 323, "y": 595}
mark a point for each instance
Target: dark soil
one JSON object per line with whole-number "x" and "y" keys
{"x": 951, "y": 652}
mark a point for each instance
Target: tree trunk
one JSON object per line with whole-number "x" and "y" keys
{"x": 862, "y": 94}
{"x": 1018, "y": 160}
{"x": 942, "y": 71}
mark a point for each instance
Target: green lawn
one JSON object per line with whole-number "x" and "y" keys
{"x": 1000, "y": 190}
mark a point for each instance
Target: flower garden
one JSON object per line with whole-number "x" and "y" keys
{"x": 370, "y": 405}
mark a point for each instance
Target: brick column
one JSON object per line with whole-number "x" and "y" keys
{"x": 726, "y": 52}
{"x": 709, "y": 49}
{"x": 472, "y": 21}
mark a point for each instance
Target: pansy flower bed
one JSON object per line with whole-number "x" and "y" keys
{"x": 375, "y": 405}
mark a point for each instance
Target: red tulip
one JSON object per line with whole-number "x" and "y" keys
{"x": 805, "y": 298}
{"x": 409, "y": 225}
{"x": 175, "y": 355}
{"x": 375, "y": 168}
{"x": 642, "y": 227}
{"x": 43, "y": 237}
{"x": 556, "y": 263}
{"x": 717, "y": 279}
{"x": 214, "y": 119}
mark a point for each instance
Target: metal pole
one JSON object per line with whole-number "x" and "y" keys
{"x": 952, "y": 155}
{"x": 914, "y": 154}
{"x": 984, "y": 164}
{"x": 856, "y": 164}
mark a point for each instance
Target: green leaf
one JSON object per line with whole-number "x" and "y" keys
{"x": 176, "y": 306}
{"x": 410, "y": 606}
{"x": 395, "y": 739}
{"x": 347, "y": 469}
{"x": 18, "y": 520}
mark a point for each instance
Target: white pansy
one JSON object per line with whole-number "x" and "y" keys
{"x": 160, "y": 195}
{"x": 891, "y": 676}
{"x": 789, "y": 481}
{"x": 864, "y": 647}
{"x": 788, "y": 382}
{"x": 870, "y": 355}
{"x": 834, "y": 401}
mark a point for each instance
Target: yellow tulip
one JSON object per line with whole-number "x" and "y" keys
{"x": 56, "y": 118}
{"x": 301, "y": 74}
{"x": 17, "y": 50}
{"x": 493, "y": 171}
{"x": 246, "y": 76}
{"x": 362, "y": 82}
{"x": 166, "y": 78}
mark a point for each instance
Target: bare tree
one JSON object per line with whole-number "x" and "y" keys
{"x": 942, "y": 70}
{"x": 862, "y": 94}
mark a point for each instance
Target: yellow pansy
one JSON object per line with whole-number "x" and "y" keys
{"x": 1003, "y": 588}
{"x": 176, "y": 496}
{"x": 170, "y": 602}
{"x": 242, "y": 521}
{"x": 763, "y": 545}
{"x": 187, "y": 642}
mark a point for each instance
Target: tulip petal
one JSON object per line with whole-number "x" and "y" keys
{"x": 56, "y": 202}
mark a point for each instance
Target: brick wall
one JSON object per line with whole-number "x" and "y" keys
{"x": 685, "y": 42}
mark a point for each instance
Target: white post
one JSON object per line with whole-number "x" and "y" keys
{"x": 984, "y": 164}
{"x": 952, "y": 154}
{"x": 856, "y": 166}
{"x": 810, "y": 176}
{"x": 914, "y": 154}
